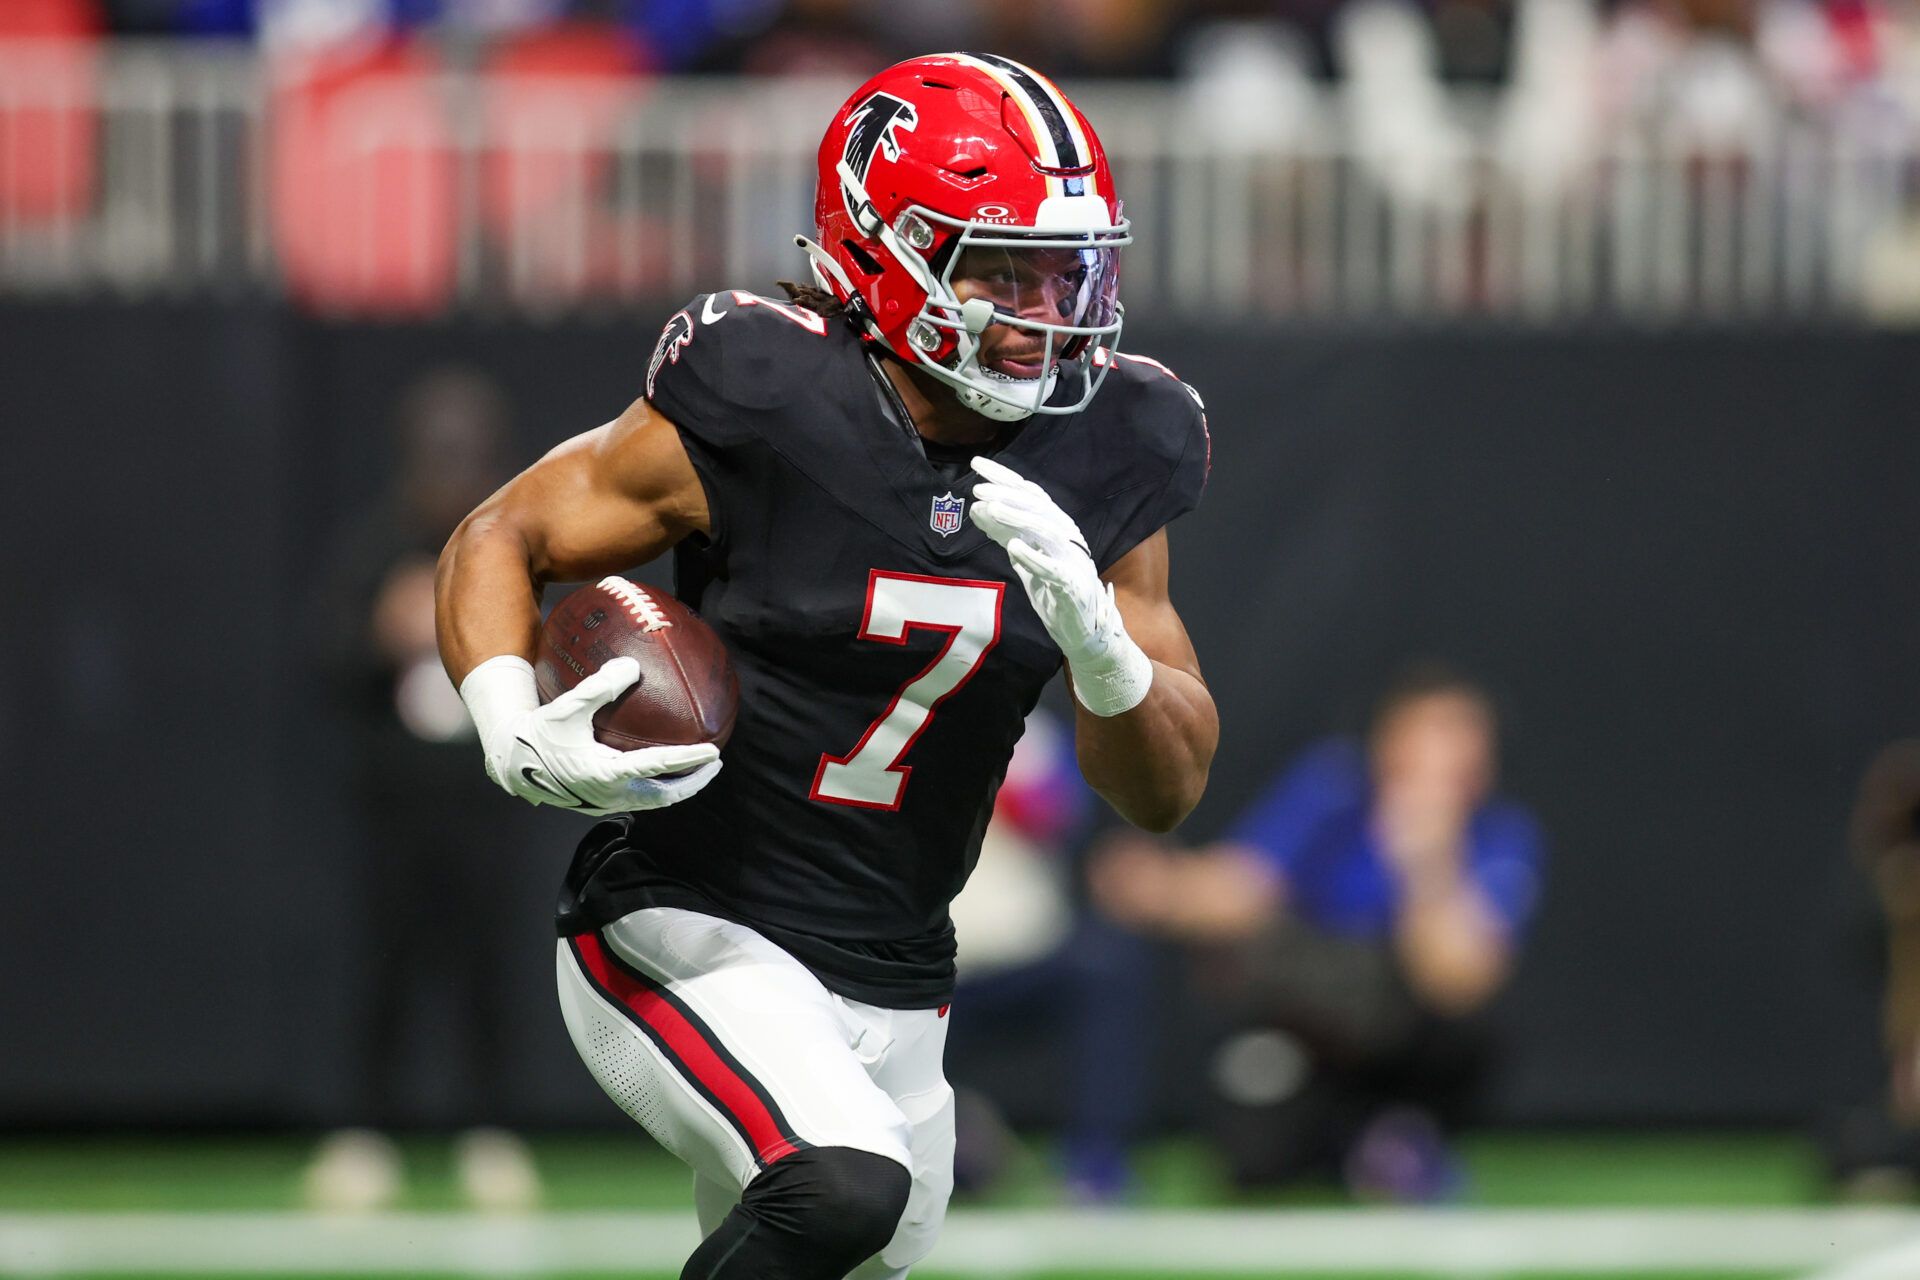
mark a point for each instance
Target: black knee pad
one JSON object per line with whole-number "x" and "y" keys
{"x": 843, "y": 1202}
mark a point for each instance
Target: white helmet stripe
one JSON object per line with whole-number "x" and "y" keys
{"x": 1049, "y": 156}
{"x": 1048, "y": 110}
{"x": 1053, "y": 118}
{"x": 1044, "y": 118}
{"x": 1073, "y": 127}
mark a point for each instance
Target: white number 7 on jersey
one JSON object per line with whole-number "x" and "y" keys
{"x": 871, "y": 775}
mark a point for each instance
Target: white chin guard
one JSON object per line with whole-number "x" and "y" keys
{"x": 988, "y": 405}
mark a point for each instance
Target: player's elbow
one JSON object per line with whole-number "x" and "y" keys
{"x": 483, "y": 549}
{"x": 481, "y": 523}
{"x": 447, "y": 568}
{"x": 462, "y": 536}
{"x": 1159, "y": 821}
{"x": 1153, "y": 790}
{"x": 485, "y": 535}
{"x": 1162, "y": 808}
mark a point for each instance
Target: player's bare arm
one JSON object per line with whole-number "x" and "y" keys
{"x": 1150, "y": 763}
{"x": 605, "y": 500}
{"x": 1147, "y": 726}
{"x": 610, "y": 498}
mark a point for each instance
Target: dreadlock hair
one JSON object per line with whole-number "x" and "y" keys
{"x": 813, "y": 298}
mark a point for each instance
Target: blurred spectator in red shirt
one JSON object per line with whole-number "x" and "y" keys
{"x": 48, "y": 132}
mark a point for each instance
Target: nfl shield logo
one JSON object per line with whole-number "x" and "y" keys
{"x": 946, "y": 514}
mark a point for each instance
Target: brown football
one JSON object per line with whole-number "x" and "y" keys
{"x": 687, "y": 691}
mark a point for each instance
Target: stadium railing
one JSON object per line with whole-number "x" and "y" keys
{"x": 394, "y": 184}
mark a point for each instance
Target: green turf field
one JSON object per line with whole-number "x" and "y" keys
{"x": 1034, "y": 1275}
{"x": 615, "y": 1172}
{"x": 61, "y": 1197}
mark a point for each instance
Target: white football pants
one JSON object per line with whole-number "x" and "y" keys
{"x": 731, "y": 1054}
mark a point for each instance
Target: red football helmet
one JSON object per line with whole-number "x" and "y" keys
{"x": 962, "y": 191}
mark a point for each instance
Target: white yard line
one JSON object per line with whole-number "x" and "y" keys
{"x": 1901, "y": 1262}
{"x": 1850, "y": 1244}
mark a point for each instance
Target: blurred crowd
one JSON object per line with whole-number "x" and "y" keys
{"x": 1712, "y": 54}
{"x": 1782, "y": 120}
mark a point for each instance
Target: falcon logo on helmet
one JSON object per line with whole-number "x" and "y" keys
{"x": 870, "y": 132}
{"x": 988, "y": 257}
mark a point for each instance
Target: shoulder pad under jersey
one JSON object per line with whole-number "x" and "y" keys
{"x": 727, "y": 356}
{"x": 1163, "y": 425}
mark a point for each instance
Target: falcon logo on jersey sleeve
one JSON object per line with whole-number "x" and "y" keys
{"x": 946, "y": 514}
{"x": 870, "y": 130}
{"x": 677, "y": 334}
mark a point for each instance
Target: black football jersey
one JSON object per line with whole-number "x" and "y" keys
{"x": 886, "y": 652}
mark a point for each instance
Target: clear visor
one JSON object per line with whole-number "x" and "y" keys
{"x": 1074, "y": 288}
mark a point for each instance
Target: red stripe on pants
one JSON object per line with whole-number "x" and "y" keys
{"x": 690, "y": 1044}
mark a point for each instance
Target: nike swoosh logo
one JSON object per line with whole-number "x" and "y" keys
{"x": 552, "y": 788}
{"x": 707, "y": 314}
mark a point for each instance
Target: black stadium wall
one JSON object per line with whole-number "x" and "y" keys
{"x": 1685, "y": 563}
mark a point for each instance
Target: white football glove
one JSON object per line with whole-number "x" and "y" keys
{"x": 548, "y": 754}
{"x": 1111, "y": 673}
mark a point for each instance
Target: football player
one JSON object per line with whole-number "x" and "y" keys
{"x": 906, "y": 496}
